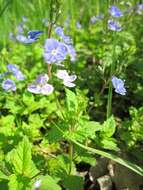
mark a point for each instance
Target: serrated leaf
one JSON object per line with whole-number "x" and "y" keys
{"x": 108, "y": 128}
{"x": 18, "y": 183}
{"x": 13, "y": 183}
{"x": 21, "y": 160}
{"x": 109, "y": 144}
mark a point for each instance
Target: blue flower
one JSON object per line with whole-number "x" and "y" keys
{"x": 113, "y": 25}
{"x": 9, "y": 85}
{"x": 118, "y": 84}
{"x": 115, "y": 11}
{"x": 40, "y": 86}
{"x": 24, "y": 39}
{"x": 34, "y": 34}
{"x": 55, "y": 51}
{"x": 71, "y": 52}
{"x": 31, "y": 37}
{"x": 59, "y": 31}
{"x": 139, "y": 9}
{"x": 16, "y": 72}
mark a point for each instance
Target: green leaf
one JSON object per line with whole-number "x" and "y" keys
{"x": 137, "y": 169}
{"x": 88, "y": 128}
{"x": 13, "y": 183}
{"x": 21, "y": 161}
{"x": 35, "y": 121}
{"x": 48, "y": 183}
{"x": 109, "y": 144}
{"x": 7, "y": 125}
{"x": 3, "y": 176}
{"x": 19, "y": 183}
{"x": 73, "y": 182}
{"x": 108, "y": 128}
{"x": 71, "y": 100}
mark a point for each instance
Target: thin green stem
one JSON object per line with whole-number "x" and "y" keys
{"x": 112, "y": 69}
{"x": 70, "y": 156}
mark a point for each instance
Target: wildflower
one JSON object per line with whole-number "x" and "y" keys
{"x": 34, "y": 34}
{"x": 37, "y": 184}
{"x": 67, "y": 79}
{"x": 71, "y": 52}
{"x": 40, "y": 86}
{"x": 113, "y": 25}
{"x": 118, "y": 84}
{"x": 23, "y": 39}
{"x": 115, "y": 11}
{"x": 55, "y": 51}
{"x": 68, "y": 43}
{"x": 9, "y": 85}
{"x": 31, "y": 37}
{"x": 16, "y": 72}
{"x": 139, "y": 9}
{"x": 59, "y": 31}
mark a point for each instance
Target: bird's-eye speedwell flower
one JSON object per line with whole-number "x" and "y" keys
{"x": 114, "y": 25}
{"x": 31, "y": 37}
{"x": 118, "y": 84}
{"x": 55, "y": 51}
{"x": 115, "y": 11}
{"x": 9, "y": 85}
{"x": 16, "y": 72}
{"x": 67, "y": 79}
{"x": 40, "y": 86}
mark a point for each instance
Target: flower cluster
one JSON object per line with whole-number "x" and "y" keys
{"x": 118, "y": 84}
{"x": 31, "y": 36}
{"x": 68, "y": 43}
{"x": 115, "y": 12}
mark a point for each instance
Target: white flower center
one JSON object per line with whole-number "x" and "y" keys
{"x": 54, "y": 52}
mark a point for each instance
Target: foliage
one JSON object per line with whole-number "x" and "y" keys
{"x": 44, "y": 137}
